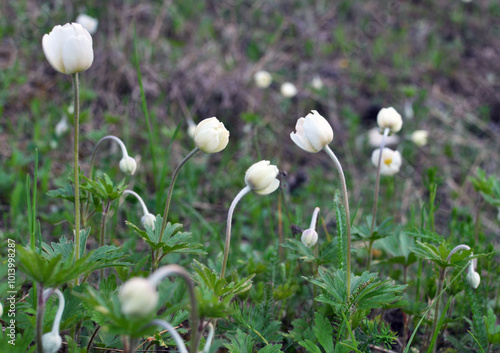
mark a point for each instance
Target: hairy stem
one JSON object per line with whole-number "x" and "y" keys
{"x": 76, "y": 100}
{"x": 40, "y": 309}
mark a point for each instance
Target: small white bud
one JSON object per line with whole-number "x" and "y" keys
{"x": 312, "y": 133}
{"x": 211, "y": 136}
{"x": 288, "y": 90}
{"x": 391, "y": 161}
{"x": 62, "y": 127}
{"x": 1, "y": 309}
{"x": 148, "y": 220}
{"x": 309, "y": 237}
{"x": 87, "y": 22}
{"x": 389, "y": 118}
{"x": 261, "y": 177}
{"x": 263, "y": 79}
{"x": 317, "y": 83}
{"x": 419, "y": 137}
{"x": 51, "y": 342}
{"x": 128, "y": 165}
{"x": 138, "y": 297}
{"x": 473, "y": 278}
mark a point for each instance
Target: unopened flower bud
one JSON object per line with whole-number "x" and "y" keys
{"x": 312, "y": 133}
{"x": 472, "y": 276}
{"x": 262, "y": 79}
{"x": 128, "y": 165}
{"x": 419, "y": 137}
{"x": 51, "y": 342}
{"x": 389, "y": 118}
{"x": 138, "y": 297}
{"x": 211, "y": 136}
{"x": 261, "y": 178}
{"x": 288, "y": 90}
{"x": 148, "y": 220}
{"x": 309, "y": 237}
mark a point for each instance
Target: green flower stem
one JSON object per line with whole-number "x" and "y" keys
{"x": 335, "y": 160}
{"x": 171, "y": 189}
{"x": 76, "y": 100}
{"x": 375, "y": 202}
{"x": 103, "y": 230}
{"x": 98, "y": 145}
{"x": 40, "y": 309}
{"x": 238, "y": 197}
{"x": 168, "y": 270}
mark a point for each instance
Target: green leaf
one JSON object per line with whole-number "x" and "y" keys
{"x": 492, "y": 329}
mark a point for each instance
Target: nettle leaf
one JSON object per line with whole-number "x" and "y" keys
{"x": 173, "y": 240}
{"x": 492, "y": 329}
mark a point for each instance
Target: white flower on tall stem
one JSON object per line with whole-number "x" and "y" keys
{"x": 391, "y": 161}
{"x": 260, "y": 178}
{"x": 263, "y": 79}
{"x": 88, "y": 22}
{"x": 389, "y": 118}
{"x": 419, "y": 137}
{"x": 313, "y": 134}
{"x": 211, "y": 136}
{"x": 288, "y": 90}
{"x": 68, "y": 48}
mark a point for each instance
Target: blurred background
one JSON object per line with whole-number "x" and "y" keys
{"x": 436, "y": 62}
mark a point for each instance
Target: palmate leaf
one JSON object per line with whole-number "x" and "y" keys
{"x": 380, "y": 231}
{"x": 299, "y": 250}
{"x": 244, "y": 343}
{"x": 173, "y": 240}
{"x": 220, "y": 286}
{"x": 492, "y": 329}
{"x": 103, "y": 188}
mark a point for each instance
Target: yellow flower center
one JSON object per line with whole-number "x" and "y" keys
{"x": 388, "y": 161}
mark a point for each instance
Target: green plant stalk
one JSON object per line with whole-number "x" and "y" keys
{"x": 430, "y": 307}
{"x": 103, "y": 229}
{"x": 335, "y": 160}
{"x": 238, "y": 197}
{"x": 436, "y": 308}
{"x": 76, "y": 101}
{"x": 40, "y": 309}
{"x": 375, "y": 202}
{"x": 171, "y": 189}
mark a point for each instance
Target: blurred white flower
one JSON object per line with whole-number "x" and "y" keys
{"x": 138, "y": 297}
{"x": 288, "y": 90}
{"x": 51, "y": 342}
{"x": 62, "y": 127}
{"x": 389, "y": 118}
{"x": 375, "y": 138}
{"x": 128, "y": 165}
{"x": 211, "y": 136}
{"x": 68, "y": 48}
{"x": 87, "y": 22}
{"x": 263, "y": 79}
{"x": 317, "y": 83}
{"x": 419, "y": 137}
{"x": 261, "y": 177}
{"x": 1, "y": 309}
{"x": 313, "y": 132}
{"x": 391, "y": 161}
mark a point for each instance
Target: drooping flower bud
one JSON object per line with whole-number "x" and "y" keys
{"x": 51, "y": 342}
{"x": 211, "y": 136}
{"x": 128, "y": 165}
{"x": 472, "y": 276}
{"x": 313, "y": 132}
{"x": 263, "y": 79}
{"x": 389, "y": 118}
{"x": 261, "y": 177}
{"x": 138, "y": 297}
{"x": 309, "y": 236}
{"x": 148, "y": 220}
{"x": 288, "y": 90}
{"x": 68, "y": 48}
{"x": 419, "y": 137}
{"x": 391, "y": 161}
